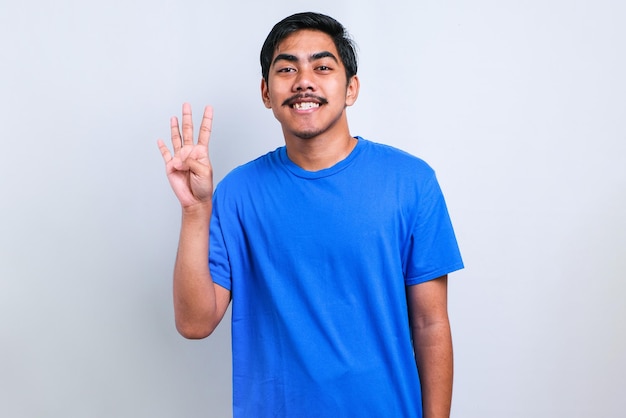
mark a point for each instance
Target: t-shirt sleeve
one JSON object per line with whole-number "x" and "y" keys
{"x": 432, "y": 249}
{"x": 219, "y": 263}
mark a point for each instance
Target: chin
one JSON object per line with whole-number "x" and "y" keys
{"x": 307, "y": 134}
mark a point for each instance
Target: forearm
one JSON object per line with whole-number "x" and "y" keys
{"x": 433, "y": 355}
{"x": 195, "y": 304}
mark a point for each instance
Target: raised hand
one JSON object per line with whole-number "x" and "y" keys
{"x": 189, "y": 170}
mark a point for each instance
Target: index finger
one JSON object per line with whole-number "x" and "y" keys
{"x": 205, "y": 126}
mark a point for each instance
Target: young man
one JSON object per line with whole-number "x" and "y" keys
{"x": 335, "y": 250}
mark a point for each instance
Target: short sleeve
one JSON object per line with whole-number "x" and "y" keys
{"x": 219, "y": 263}
{"x": 432, "y": 250}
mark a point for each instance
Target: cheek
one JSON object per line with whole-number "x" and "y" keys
{"x": 277, "y": 92}
{"x": 340, "y": 90}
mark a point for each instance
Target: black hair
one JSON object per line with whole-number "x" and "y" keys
{"x": 313, "y": 21}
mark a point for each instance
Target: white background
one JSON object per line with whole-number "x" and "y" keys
{"x": 519, "y": 106}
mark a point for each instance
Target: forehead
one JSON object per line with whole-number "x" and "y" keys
{"x": 306, "y": 42}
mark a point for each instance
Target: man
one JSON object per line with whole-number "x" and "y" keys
{"x": 335, "y": 250}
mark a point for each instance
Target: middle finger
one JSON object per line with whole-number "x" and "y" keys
{"x": 187, "y": 125}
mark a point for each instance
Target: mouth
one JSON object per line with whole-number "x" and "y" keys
{"x": 305, "y": 102}
{"x": 305, "y": 105}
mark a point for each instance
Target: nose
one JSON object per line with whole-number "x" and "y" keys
{"x": 304, "y": 81}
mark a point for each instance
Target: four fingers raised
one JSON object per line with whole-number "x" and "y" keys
{"x": 178, "y": 140}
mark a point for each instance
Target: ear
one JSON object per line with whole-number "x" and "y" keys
{"x": 265, "y": 94}
{"x": 352, "y": 91}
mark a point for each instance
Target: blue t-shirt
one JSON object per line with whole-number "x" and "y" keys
{"x": 317, "y": 263}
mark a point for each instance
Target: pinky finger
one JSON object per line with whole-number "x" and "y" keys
{"x": 165, "y": 152}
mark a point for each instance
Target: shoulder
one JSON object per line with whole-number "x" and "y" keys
{"x": 395, "y": 160}
{"x": 251, "y": 172}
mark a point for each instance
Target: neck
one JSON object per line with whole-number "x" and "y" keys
{"x": 318, "y": 153}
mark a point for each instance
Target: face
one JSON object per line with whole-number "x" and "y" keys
{"x": 307, "y": 87}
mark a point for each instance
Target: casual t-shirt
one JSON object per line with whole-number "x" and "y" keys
{"x": 317, "y": 263}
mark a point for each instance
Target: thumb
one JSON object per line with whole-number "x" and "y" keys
{"x": 197, "y": 168}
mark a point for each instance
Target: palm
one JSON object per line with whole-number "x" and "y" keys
{"x": 189, "y": 168}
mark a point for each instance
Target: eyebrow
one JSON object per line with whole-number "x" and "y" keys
{"x": 313, "y": 57}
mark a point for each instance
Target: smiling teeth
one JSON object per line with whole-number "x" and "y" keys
{"x": 305, "y": 105}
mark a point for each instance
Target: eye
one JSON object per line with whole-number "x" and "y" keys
{"x": 287, "y": 70}
{"x": 323, "y": 68}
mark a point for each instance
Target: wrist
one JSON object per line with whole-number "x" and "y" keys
{"x": 200, "y": 210}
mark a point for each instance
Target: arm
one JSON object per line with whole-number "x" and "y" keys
{"x": 432, "y": 342}
{"x": 199, "y": 304}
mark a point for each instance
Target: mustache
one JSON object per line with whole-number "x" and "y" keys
{"x": 290, "y": 101}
